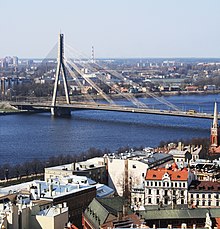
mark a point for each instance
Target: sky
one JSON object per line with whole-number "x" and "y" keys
{"x": 116, "y": 28}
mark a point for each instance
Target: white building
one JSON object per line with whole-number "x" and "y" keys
{"x": 129, "y": 169}
{"x": 185, "y": 154}
{"x": 204, "y": 194}
{"x": 94, "y": 169}
{"x": 32, "y": 214}
{"x": 163, "y": 187}
{"x": 119, "y": 171}
{"x": 77, "y": 192}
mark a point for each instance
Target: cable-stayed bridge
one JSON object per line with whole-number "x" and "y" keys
{"x": 86, "y": 71}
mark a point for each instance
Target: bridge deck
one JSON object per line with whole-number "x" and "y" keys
{"x": 107, "y": 107}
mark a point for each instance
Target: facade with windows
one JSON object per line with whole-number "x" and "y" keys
{"x": 204, "y": 194}
{"x": 163, "y": 187}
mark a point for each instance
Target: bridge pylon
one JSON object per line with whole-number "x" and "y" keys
{"x": 55, "y": 111}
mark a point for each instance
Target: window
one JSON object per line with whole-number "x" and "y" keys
{"x": 165, "y": 201}
{"x": 134, "y": 166}
{"x": 184, "y": 185}
{"x": 209, "y": 203}
{"x": 180, "y": 185}
{"x": 142, "y": 174}
{"x": 149, "y": 200}
{"x": 139, "y": 199}
{"x": 197, "y": 196}
{"x": 209, "y": 196}
{"x": 217, "y": 203}
{"x": 175, "y": 184}
{"x": 203, "y": 196}
{"x": 155, "y": 184}
{"x": 191, "y": 196}
{"x": 203, "y": 203}
{"x": 158, "y": 191}
{"x": 182, "y": 201}
{"x": 147, "y": 183}
{"x": 182, "y": 193}
{"x": 135, "y": 199}
{"x": 158, "y": 200}
{"x": 149, "y": 191}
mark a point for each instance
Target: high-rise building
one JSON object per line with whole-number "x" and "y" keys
{"x": 15, "y": 61}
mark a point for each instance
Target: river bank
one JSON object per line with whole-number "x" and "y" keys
{"x": 7, "y": 109}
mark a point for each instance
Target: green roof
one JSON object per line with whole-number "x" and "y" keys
{"x": 100, "y": 208}
{"x": 180, "y": 213}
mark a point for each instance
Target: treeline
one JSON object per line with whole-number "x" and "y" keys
{"x": 37, "y": 166}
{"x": 33, "y": 89}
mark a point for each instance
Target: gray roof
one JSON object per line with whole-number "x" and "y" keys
{"x": 156, "y": 157}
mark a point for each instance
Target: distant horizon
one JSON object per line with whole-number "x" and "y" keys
{"x": 120, "y": 58}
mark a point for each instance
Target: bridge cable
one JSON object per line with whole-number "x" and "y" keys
{"x": 121, "y": 77}
{"x": 127, "y": 96}
{"x": 74, "y": 76}
{"x": 88, "y": 80}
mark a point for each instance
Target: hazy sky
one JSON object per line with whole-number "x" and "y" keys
{"x": 116, "y": 28}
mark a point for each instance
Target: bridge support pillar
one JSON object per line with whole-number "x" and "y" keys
{"x": 60, "y": 112}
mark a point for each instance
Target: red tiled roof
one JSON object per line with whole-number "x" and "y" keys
{"x": 217, "y": 222}
{"x": 175, "y": 174}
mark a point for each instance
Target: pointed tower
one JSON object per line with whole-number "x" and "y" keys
{"x": 215, "y": 129}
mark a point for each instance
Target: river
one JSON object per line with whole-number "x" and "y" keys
{"x": 28, "y": 136}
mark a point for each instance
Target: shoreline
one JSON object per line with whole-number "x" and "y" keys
{"x": 2, "y": 112}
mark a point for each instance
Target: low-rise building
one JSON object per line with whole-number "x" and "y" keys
{"x": 206, "y": 170}
{"x": 185, "y": 153}
{"x": 119, "y": 171}
{"x": 109, "y": 213}
{"x": 92, "y": 168}
{"x": 204, "y": 194}
{"x": 20, "y": 213}
{"x": 182, "y": 218}
{"x": 163, "y": 187}
{"x": 77, "y": 196}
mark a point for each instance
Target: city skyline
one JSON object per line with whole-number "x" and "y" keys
{"x": 117, "y": 29}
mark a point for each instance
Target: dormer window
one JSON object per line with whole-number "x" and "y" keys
{"x": 154, "y": 175}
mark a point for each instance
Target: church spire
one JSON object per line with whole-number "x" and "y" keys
{"x": 215, "y": 129}
{"x": 215, "y": 119}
